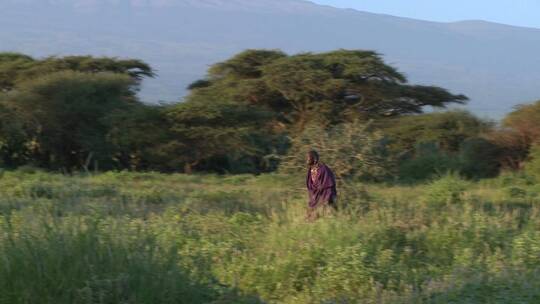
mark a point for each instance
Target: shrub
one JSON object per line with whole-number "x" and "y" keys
{"x": 476, "y": 158}
{"x": 479, "y": 158}
{"x": 448, "y": 189}
{"x": 428, "y": 162}
{"x": 352, "y": 150}
{"x": 516, "y": 192}
{"x": 532, "y": 167}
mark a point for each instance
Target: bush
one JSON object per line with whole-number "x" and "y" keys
{"x": 516, "y": 192}
{"x": 532, "y": 167}
{"x": 428, "y": 162}
{"x": 479, "y": 158}
{"x": 352, "y": 150}
{"x": 448, "y": 189}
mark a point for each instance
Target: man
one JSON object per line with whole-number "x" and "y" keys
{"x": 321, "y": 186}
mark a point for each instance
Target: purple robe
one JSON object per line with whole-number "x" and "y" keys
{"x": 322, "y": 190}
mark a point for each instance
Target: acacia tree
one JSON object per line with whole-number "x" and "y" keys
{"x": 330, "y": 88}
{"x": 16, "y": 68}
{"x": 63, "y": 115}
{"x": 202, "y": 132}
{"x": 54, "y": 109}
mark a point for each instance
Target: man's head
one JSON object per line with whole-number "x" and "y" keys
{"x": 312, "y": 158}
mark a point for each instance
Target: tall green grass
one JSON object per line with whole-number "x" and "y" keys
{"x": 152, "y": 238}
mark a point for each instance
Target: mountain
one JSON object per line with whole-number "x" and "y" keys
{"x": 495, "y": 65}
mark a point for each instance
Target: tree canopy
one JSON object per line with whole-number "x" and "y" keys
{"x": 62, "y": 114}
{"x": 524, "y": 120}
{"x": 250, "y": 112}
{"x": 331, "y": 88}
{"x": 448, "y": 130}
{"x": 16, "y": 68}
{"x": 202, "y": 132}
{"x": 520, "y": 131}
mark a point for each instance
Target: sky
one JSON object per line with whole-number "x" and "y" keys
{"x": 513, "y": 12}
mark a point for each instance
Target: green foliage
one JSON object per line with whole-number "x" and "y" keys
{"x": 449, "y": 130}
{"x": 516, "y": 192}
{"x": 63, "y": 115}
{"x": 54, "y": 112}
{"x": 11, "y": 66}
{"x": 138, "y": 136}
{"x": 14, "y": 147}
{"x": 17, "y": 68}
{"x": 207, "y": 132}
{"x": 479, "y": 158}
{"x": 204, "y": 202}
{"x": 153, "y": 238}
{"x": 476, "y": 158}
{"x": 427, "y": 162}
{"x": 82, "y": 113}
{"x": 524, "y": 120}
{"x": 352, "y": 150}
{"x": 328, "y": 88}
{"x": 448, "y": 189}
{"x": 532, "y": 167}
{"x": 519, "y": 133}
{"x": 435, "y": 143}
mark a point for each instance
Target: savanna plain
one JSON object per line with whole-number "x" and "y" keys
{"x": 122, "y": 237}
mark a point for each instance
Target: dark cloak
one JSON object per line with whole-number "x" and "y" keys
{"x": 323, "y": 189}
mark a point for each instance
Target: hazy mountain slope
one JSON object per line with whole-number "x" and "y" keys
{"x": 496, "y": 65}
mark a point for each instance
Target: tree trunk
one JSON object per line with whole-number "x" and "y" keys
{"x": 188, "y": 167}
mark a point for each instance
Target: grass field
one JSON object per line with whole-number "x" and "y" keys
{"x": 153, "y": 238}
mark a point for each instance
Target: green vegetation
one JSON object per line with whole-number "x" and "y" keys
{"x": 329, "y": 88}
{"x": 355, "y": 151}
{"x": 434, "y": 208}
{"x": 153, "y": 238}
{"x": 253, "y": 113}
{"x": 79, "y": 113}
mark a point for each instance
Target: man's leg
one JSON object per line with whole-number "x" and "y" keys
{"x": 333, "y": 203}
{"x": 311, "y": 214}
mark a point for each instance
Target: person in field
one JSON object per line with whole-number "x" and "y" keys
{"x": 321, "y": 186}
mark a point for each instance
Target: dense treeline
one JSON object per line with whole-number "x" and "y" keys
{"x": 256, "y": 112}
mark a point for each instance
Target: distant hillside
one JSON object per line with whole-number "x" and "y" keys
{"x": 496, "y": 65}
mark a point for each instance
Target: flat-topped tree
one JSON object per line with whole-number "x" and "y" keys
{"x": 330, "y": 87}
{"x": 16, "y": 68}
{"x": 240, "y": 79}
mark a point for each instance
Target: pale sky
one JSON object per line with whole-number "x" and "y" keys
{"x": 514, "y": 12}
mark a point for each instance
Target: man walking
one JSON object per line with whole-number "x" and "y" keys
{"x": 321, "y": 186}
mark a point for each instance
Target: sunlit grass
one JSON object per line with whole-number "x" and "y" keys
{"x": 153, "y": 238}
